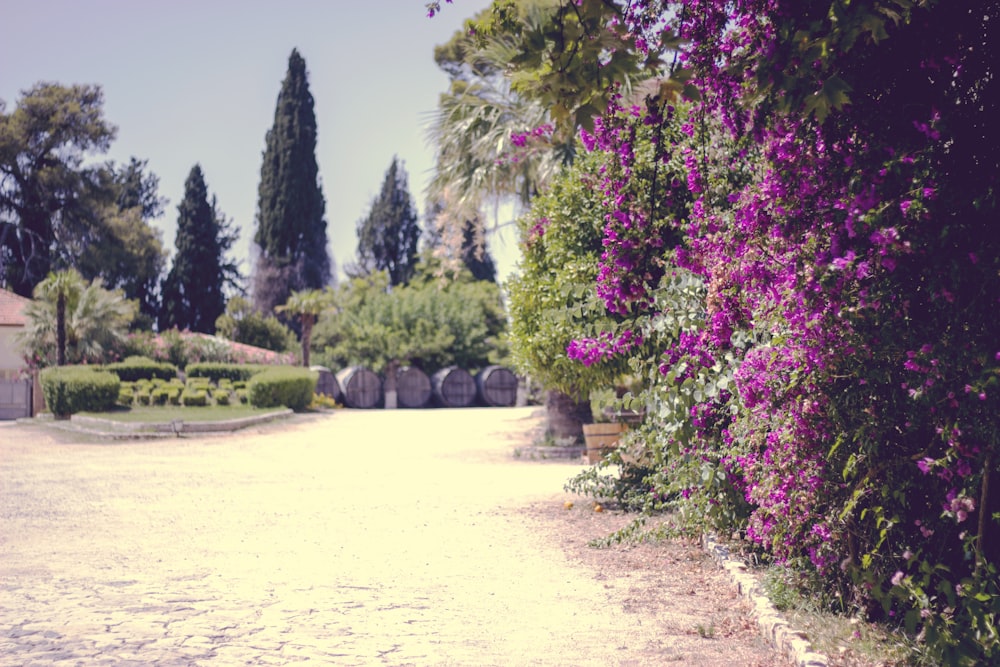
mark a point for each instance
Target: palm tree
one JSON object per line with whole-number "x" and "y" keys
{"x": 476, "y": 132}
{"x": 307, "y": 306}
{"x": 75, "y": 321}
{"x": 478, "y": 159}
{"x": 473, "y": 131}
{"x": 101, "y": 320}
{"x": 60, "y": 288}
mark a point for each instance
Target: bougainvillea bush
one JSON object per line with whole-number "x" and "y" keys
{"x": 851, "y": 289}
{"x": 838, "y": 384}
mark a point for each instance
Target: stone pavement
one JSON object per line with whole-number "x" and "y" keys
{"x": 353, "y": 538}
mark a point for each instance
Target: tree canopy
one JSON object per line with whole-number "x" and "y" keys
{"x": 43, "y": 143}
{"x": 59, "y": 211}
{"x": 121, "y": 246}
{"x": 426, "y": 324}
{"x": 243, "y": 324}
{"x": 291, "y": 234}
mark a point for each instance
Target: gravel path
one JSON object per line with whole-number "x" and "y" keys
{"x": 348, "y": 538}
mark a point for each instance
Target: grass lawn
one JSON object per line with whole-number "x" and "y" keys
{"x": 169, "y": 413}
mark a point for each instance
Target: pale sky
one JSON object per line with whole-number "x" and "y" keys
{"x": 196, "y": 81}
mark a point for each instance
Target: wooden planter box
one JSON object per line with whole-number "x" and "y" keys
{"x": 602, "y": 438}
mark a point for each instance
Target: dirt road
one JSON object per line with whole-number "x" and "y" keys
{"x": 350, "y": 538}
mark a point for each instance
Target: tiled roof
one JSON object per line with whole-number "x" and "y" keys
{"x": 249, "y": 353}
{"x": 12, "y": 309}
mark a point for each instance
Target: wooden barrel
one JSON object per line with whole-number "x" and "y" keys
{"x": 497, "y": 387}
{"x": 361, "y": 387}
{"x": 453, "y": 387}
{"x": 413, "y": 387}
{"x": 327, "y": 384}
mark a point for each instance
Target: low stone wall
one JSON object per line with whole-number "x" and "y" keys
{"x": 175, "y": 427}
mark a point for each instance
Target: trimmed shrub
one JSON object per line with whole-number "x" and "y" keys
{"x": 194, "y": 397}
{"x": 216, "y": 372}
{"x": 142, "y": 395}
{"x": 125, "y": 396}
{"x": 139, "y": 368}
{"x": 70, "y": 389}
{"x": 198, "y": 383}
{"x": 160, "y": 396}
{"x": 290, "y": 386}
{"x": 174, "y": 395}
{"x": 221, "y": 396}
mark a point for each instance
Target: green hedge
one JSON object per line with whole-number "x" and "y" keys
{"x": 216, "y": 372}
{"x": 290, "y": 386}
{"x": 142, "y": 368}
{"x": 70, "y": 389}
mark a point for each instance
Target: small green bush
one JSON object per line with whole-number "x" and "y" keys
{"x": 198, "y": 383}
{"x": 216, "y": 372}
{"x": 160, "y": 396}
{"x": 221, "y": 396}
{"x": 194, "y": 397}
{"x": 138, "y": 368}
{"x": 290, "y": 386}
{"x": 70, "y": 389}
{"x": 125, "y": 396}
{"x": 174, "y": 397}
{"x": 323, "y": 401}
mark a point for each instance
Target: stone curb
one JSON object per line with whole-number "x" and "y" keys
{"x": 543, "y": 452}
{"x": 116, "y": 430}
{"x": 791, "y": 642}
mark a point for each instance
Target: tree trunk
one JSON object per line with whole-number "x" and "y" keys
{"x": 307, "y": 327}
{"x": 565, "y": 416}
{"x": 61, "y": 329}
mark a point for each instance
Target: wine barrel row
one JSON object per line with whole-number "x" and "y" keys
{"x": 451, "y": 387}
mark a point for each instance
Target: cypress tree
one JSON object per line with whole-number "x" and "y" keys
{"x": 388, "y": 237}
{"x": 193, "y": 289}
{"x": 291, "y": 230}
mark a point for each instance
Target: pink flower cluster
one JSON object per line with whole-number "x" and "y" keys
{"x": 605, "y": 346}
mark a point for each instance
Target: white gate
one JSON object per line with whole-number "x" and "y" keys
{"x": 15, "y": 398}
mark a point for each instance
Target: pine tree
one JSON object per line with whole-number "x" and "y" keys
{"x": 291, "y": 231}
{"x": 193, "y": 295}
{"x": 388, "y": 237}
